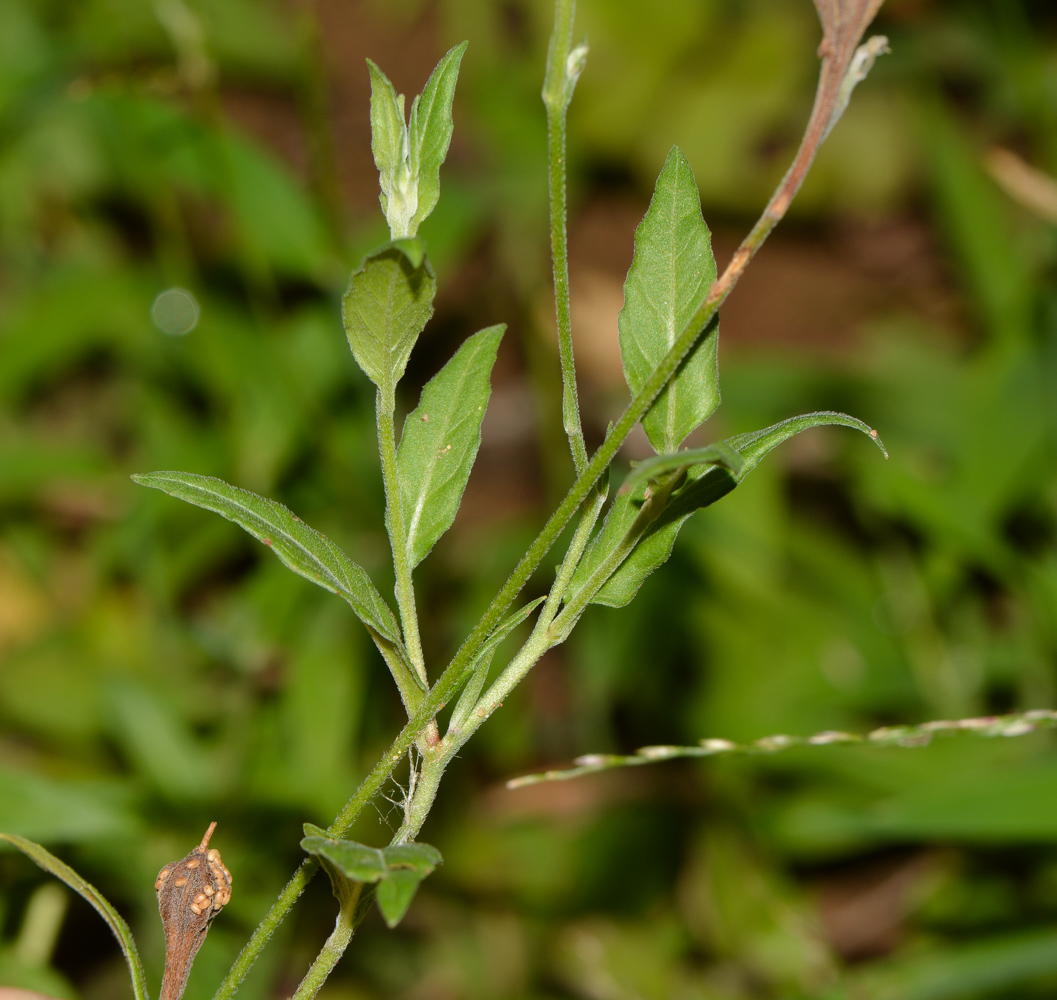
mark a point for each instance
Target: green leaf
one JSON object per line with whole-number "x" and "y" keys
{"x": 413, "y": 248}
{"x": 386, "y": 306}
{"x": 62, "y": 871}
{"x": 671, "y": 272}
{"x": 409, "y": 159}
{"x": 754, "y": 445}
{"x": 714, "y": 454}
{"x": 423, "y": 858}
{"x": 398, "y": 869}
{"x": 389, "y": 144}
{"x": 395, "y": 893}
{"x": 430, "y": 132}
{"x": 479, "y": 668}
{"x": 301, "y": 548}
{"x": 440, "y": 441}
{"x": 355, "y": 861}
{"x": 707, "y": 483}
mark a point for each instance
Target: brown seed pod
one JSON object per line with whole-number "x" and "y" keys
{"x": 191, "y": 892}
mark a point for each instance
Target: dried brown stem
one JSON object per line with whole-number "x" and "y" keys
{"x": 843, "y": 24}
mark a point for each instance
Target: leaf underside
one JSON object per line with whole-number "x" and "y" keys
{"x": 398, "y": 870}
{"x": 671, "y": 272}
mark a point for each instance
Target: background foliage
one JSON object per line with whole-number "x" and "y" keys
{"x": 160, "y": 670}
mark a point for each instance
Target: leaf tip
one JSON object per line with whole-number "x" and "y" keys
{"x": 876, "y": 438}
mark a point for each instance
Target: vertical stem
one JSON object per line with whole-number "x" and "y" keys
{"x": 394, "y": 521}
{"x": 335, "y": 945}
{"x": 557, "y": 91}
{"x": 432, "y": 770}
{"x": 436, "y": 761}
{"x": 266, "y": 928}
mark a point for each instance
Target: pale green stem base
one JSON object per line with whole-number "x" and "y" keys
{"x": 334, "y": 948}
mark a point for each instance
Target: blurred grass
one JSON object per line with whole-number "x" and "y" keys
{"x": 158, "y": 671}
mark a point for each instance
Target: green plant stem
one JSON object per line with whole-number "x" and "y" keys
{"x": 334, "y": 948}
{"x": 456, "y": 671}
{"x": 437, "y": 759}
{"x": 454, "y": 674}
{"x": 430, "y": 773}
{"x": 369, "y": 787}
{"x": 564, "y": 622}
{"x": 266, "y": 928}
{"x": 557, "y": 92}
{"x": 394, "y": 519}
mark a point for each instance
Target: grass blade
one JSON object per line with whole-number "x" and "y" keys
{"x": 65, "y": 873}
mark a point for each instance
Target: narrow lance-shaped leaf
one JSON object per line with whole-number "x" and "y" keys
{"x": 707, "y": 484}
{"x": 398, "y": 870}
{"x": 62, "y": 871}
{"x": 430, "y": 131}
{"x": 301, "y": 548}
{"x": 440, "y": 441}
{"x": 671, "y": 272}
{"x": 386, "y": 306}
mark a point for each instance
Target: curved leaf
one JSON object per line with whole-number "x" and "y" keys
{"x": 720, "y": 453}
{"x": 707, "y": 484}
{"x": 397, "y": 869}
{"x": 62, "y": 871}
{"x": 301, "y": 548}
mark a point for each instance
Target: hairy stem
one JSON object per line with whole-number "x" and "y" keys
{"x": 557, "y": 90}
{"x": 349, "y": 915}
{"x": 369, "y": 787}
{"x": 266, "y": 928}
{"x": 455, "y": 673}
{"x": 564, "y": 622}
{"x": 394, "y": 521}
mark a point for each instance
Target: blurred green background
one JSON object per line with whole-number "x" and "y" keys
{"x": 184, "y": 186}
